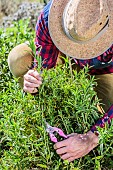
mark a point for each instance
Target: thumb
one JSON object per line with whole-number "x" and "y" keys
{"x": 72, "y": 134}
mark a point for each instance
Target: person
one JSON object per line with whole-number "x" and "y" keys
{"x": 83, "y": 31}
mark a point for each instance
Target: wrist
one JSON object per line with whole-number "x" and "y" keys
{"x": 93, "y": 138}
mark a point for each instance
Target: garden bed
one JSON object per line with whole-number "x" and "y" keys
{"x": 65, "y": 100}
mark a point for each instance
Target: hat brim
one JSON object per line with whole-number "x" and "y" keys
{"x": 88, "y": 50}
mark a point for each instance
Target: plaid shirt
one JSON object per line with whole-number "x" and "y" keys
{"x": 101, "y": 122}
{"x": 102, "y": 64}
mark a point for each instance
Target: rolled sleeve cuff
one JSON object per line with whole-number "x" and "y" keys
{"x": 102, "y": 121}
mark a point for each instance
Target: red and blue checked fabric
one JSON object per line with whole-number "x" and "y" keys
{"x": 45, "y": 48}
{"x": 102, "y": 64}
{"x": 101, "y": 122}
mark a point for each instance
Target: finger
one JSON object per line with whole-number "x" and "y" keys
{"x": 32, "y": 85}
{"x": 32, "y": 79}
{"x": 66, "y": 156}
{"x": 34, "y": 90}
{"x": 71, "y": 159}
{"x": 30, "y": 90}
{"x": 34, "y": 73}
{"x": 61, "y": 150}
{"x": 72, "y": 134}
{"x": 61, "y": 144}
{"x": 78, "y": 155}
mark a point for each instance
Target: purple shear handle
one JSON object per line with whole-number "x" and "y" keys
{"x": 51, "y": 131}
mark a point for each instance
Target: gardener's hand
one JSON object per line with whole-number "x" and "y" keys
{"x": 76, "y": 146}
{"x": 32, "y": 81}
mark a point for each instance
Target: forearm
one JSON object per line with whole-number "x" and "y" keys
{"x": 102, "y": 121}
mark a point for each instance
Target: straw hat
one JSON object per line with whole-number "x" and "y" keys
{"x": 82, "y": 29}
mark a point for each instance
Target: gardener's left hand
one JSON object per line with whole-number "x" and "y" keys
{"x": 76, "y": 146}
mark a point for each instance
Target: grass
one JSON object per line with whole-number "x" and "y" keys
{"x": 64, "y": 100}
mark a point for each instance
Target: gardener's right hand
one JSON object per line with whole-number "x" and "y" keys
{"x": 32, "y": 81}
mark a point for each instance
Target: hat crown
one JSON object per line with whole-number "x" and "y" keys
{"x": 85, "y": 20}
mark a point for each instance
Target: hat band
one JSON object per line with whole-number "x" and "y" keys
{"x": 95, "y": 31}
{"x": 76, "y": 38}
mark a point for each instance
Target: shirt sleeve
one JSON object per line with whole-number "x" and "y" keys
{"x": 44, "y": 45}
{"x": 102, "y": 121}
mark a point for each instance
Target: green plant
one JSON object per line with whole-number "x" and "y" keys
{"x": 64, "y": 100}
{"x": 9, "y": 38}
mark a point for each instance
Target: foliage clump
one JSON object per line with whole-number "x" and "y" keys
{"x": 66, "y": 100}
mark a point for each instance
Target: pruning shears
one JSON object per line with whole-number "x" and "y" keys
{"x": 51, "y": 130}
